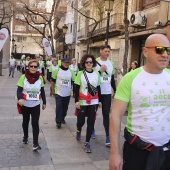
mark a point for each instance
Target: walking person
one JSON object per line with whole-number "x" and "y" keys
{"x": 12, "y": 65}
{"x": 86, "y": 97}
{"x": 61, "y": 88}
{"x": 106, "y": 69}
{"x": 48, "y": 63}
{"x": 18, "y": 65}
{"x": 144, "y": 92}
{"x": 30, "y": 90}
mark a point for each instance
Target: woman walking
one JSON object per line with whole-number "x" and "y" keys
{"x": 87, "y": 97}
{"x": 30, "y": 91}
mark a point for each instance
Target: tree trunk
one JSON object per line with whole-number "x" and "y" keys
{"x": 126, "y": 21}
{"x": 1, "y": 55}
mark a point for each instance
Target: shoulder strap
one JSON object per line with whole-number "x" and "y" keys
{"x": 84, "y": 72}
{"x": 100, "y": 66}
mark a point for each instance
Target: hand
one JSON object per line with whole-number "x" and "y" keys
{"x": 100, "y": 104}
{"x": 113, "y": 95}
{"x": 103, "y": 68}
{"x": 43, "y": 106}
{"x": 52, "y": 92}
{"x": 21, "y": 102}
{"x": 77, "y": 105}
{"x": 115, "y": 162}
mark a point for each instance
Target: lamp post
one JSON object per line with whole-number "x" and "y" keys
{"x": 15, "y": 52}
{"x": 64, "y": 33}
{"x": 108, "y": 8}
{"x": 13, "y": 42}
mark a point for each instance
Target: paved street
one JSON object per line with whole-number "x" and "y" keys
{"x": 60, "y": 150}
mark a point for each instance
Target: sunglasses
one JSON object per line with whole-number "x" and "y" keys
{"x": 33, "y": 66}
{"x": 89, "y": 62}
{"x": 161, "y": 50}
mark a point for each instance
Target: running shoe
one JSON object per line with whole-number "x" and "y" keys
{"x": 78, "y": 136}
{"x": 107, "y": 141}
{"x": 25, "y": 140}
{"x": 63, "y": 121}
{"x": 93, "y": 135}
{"x": 58, "y": 124}
{"x": 87, "y": 148}
{"x": 36, "y": 147}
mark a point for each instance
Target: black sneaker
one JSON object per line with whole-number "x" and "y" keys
{"x": 58, "y": 124}
{"x": 25, "y": 140}
{"x": 63, "y": 121}
{"x": 36, "y": 147}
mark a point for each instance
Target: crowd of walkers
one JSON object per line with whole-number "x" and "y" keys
{"x": 143, "y": 92}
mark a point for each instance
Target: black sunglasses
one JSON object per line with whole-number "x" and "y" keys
{"x": 161, "y": 49}
{"x": 33, "y": 66}
{"x": 89, "y": 62}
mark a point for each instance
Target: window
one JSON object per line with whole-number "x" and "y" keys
{"x": 21, "y": 39}
{"x": 20, "y": 28}
{"x": 34, "y": 17}
{"x": 39, "y": 27}
{"x": 33, "y": 4}
{"x": 42, "y": 4}
{"x": 20, "y": 16}
{"x": 71, "y": 28}
{"x": 20, "y": 5}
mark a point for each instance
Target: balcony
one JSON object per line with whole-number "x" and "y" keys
{"x": 116, "y": 25}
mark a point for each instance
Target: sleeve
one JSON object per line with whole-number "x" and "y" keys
{"x": 73, "y": 75}
{"x": 113, "y": 65}
{"x": 54, "y": 74}
{"x": 50, "y": 69}
{"x": 19, "y": 92}
{"x": 78, "y": 78}
{"x": 77, "y": 88}
{"x": 43, "y": 95}
{"x": 20, "y": 82}
{"x": 42, "y": 81}
{"x": 98, "y": 78}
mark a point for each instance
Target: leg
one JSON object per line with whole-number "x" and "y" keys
{"x": 90, "y": 121}
{"x": 167, "y": 162}
{"x": 26, "y": 119}
{"x": 133, "y": 158}
{"x": 58, "y": 100}
{"x": 81, "y": 118}
{"x": 10, "y": 69}
{"x": 65, "y": 103}
{"x": 106, "y": 104}
{"x": 35, "y": 114}
{"x": 13, "y": 69}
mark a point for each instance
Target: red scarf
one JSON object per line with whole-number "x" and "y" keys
{"x": 32, "y": 77}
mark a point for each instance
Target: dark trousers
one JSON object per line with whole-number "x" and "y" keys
{"x": 35, "y": 114}
{"x": 42, "y": 69}
{"x": 106, "y": 104}
{"x": 18, "y": 68}
{"x": 48, "y": 75}
{"x": 91, "y": 111}
{"x": 135, "y": 159}
{"x": 61, "y": 107}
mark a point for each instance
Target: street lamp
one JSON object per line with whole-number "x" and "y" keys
{"x": 15, "y": 50}
{"x": 13, "y": 42}
{"x": 64, "y": 33}
{"x": 108, "y": 8}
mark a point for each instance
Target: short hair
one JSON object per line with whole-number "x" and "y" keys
{"x": 33, "y": 61}
{"x": 73, "y": 59}
{"x": 84, "y": 58}
{"x": 104, "y": 46}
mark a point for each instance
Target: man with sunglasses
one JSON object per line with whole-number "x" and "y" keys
{"x": 146, "y": 93}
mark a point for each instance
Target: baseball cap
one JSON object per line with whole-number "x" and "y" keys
{"x": 65, "y": 60}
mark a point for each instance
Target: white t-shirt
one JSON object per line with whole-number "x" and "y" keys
{"x": 105, "y": 79}
{"x": 12, "y": 62}
{"x": 148, "y": 98}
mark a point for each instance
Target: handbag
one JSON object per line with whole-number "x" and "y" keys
{"x": 91, "y": 89}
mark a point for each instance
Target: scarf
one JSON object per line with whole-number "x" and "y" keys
{"x": 32, "y": 77}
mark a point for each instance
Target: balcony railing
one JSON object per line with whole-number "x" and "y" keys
{"x": 115, "y": 21}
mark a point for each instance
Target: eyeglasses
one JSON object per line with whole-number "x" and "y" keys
{"x": 89, "y": 62}
{"x": 33, "y": 66}
{"x": 161, "y": 49}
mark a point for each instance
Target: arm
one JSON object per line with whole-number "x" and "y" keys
{"x": 43, "y": 98}
{"x": 19, "y": 96}
{"x": 99, "y": 92}
{"x": 118, "y": 110}
{"x": 53, "y": 85}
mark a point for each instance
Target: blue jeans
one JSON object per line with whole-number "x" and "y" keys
{"x": 61, "y": 107}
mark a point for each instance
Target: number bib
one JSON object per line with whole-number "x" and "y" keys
{"x": 31, "y": 96}
{"x": 65, "y": 82}
{"x": 106, "y": 79}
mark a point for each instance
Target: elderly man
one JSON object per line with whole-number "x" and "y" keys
{"x": 61, "y": 87}
{"x": 145, "y": 91}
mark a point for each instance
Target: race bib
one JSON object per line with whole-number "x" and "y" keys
{"x": 65, "y": 82}
{"x": 31, "y": 96}
{"x": 105, "y": 79}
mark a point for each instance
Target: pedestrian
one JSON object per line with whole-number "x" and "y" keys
{"x": 30, "y": 90}
{"x": 12, "y": 65}
{"x": 133, "y": 66}
{"x": 26, "y": 62}
{"x": 74, "y": 67}
{"x": 106, "y": 69}
{"x": 145, "y": 92}
{"x": 48, "y": 63}
{"x": 61, "y": 88}
{"x": 52, "y": 68}
{"x": 86, "y": 97}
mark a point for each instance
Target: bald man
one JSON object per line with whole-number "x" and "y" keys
{"x": 146, "y": 93}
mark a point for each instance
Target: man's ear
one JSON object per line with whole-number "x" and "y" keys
{"x": 145, "y": 51}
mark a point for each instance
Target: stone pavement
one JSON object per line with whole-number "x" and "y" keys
{"x": 60, "y": 150}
